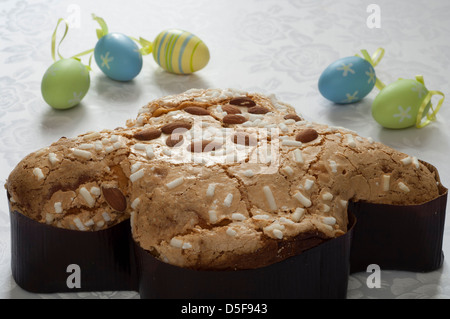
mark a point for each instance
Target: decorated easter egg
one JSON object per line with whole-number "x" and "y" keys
{"x": 397, "y": 105}
{"x": 118, "y": 56}
{"x": 65, "y": 83}
{"x": 180, "y": 52}
{"x": 347, "y": 80}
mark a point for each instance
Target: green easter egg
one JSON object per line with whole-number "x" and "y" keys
{"x": 397, "y": 105}
{"x": 65, "y": 83}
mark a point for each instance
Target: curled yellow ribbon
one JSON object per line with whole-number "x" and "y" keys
{"x": 422, "y": 119}
{"x": 374, "y": 60}
{"x": 423, "y": 106}
{"x": 147, "y": 46}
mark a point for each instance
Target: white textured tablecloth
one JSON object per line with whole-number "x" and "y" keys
{"x": 265, "y": 46}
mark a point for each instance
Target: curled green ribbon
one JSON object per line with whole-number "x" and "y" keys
{"x": 146, "y": 46}
{"x": 374, "y": 60}
{"x": 423, "y": 106}
{"x": 55, "y": 48}
{"x": 104, "y": 27}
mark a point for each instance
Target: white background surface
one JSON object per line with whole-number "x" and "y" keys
{"x": 265, "y": 46}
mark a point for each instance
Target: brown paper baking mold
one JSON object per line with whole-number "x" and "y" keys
{"x": 110, "y": 260}
{"x": 41, "y": 255}
{"x": 393, "y": 237}
{"x": 319, "y": 272}
{"x": 408, "y": 237}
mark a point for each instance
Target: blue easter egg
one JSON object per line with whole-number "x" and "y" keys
{"x": 118, "y": 56}
{"x": 347, "y": 80}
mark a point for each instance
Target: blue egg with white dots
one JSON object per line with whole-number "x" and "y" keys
{"x": 347, "y": 80}
{"x": 118, "y": 56}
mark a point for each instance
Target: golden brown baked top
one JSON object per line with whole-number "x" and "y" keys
{"x": 212, "y": 178}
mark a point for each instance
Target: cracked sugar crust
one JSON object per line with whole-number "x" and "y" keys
{"x": 216, "y": 179}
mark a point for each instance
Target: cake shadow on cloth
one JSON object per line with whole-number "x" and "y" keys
{"x": 393, "y": 237}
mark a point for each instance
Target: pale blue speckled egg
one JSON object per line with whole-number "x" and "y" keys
{"x": 118, "y": 56}
{"x": 347, "y": 80}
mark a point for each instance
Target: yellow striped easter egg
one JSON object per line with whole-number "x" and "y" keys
{"x": 180, "y": 52}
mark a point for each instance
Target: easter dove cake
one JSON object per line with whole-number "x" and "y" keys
{"x": 216, "y": 179}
